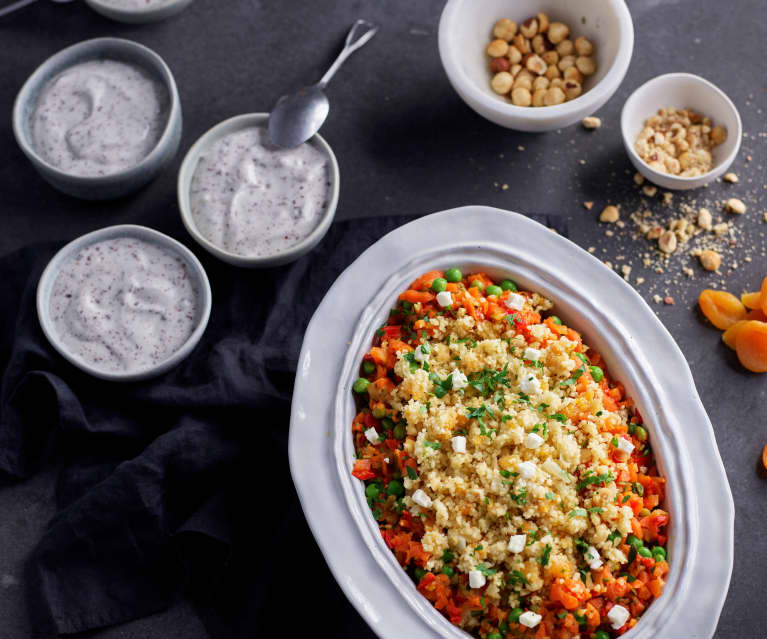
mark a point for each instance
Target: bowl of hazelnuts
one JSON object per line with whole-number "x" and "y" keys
{"x": 535, "y": 66}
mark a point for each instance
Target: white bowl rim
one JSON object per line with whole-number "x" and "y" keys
{"x": 636, "y": 95}
{"x": 35, "y": 80}
{"x": 189, "y": 164}
{"x": 140, "y": 232}
{"x": 141, "y": 11}
{"x": 594, "y": 95}
{"x": 699, "y": 496}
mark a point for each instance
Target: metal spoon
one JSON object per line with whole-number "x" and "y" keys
{"x": 22, "y": 3}
{"x": 298, "y": 116}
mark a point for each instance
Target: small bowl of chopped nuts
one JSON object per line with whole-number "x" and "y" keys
{"x": 680, "y": 131}
{"x": 535, "y": 66}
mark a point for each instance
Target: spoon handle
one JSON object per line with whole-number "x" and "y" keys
{"x": 360, "y": 33}
{"x": 16, "y": 5}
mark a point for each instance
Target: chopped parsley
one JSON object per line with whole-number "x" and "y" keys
{"x": 577, "y": 512}
{"x": 549, "y": 495}
{"x": 615, "y": 534}
{"x": 544, "y": 558}
{"x": 487, "y": 381}
{"x": 434, "y": 445}
{"x": 517, "y": 578}
{"x": 441, "y": 386}
{"x": 589, "y": 478}
{"x": 559, "y": 417}
{"x": 488, "y": 572}
{"x": 520, "y": 497}
{"x": 411, "y": 473}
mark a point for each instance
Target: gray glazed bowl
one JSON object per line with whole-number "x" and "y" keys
{"x": 196, "y": 272}
{"x": 185, "y": 180}
{"x": 117, "y": 184}
{"x": 139, "y": 16}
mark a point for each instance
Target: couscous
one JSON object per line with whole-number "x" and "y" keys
{"x": 509, "y": 474}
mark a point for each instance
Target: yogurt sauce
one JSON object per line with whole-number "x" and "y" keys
{"x": 98, "y": 118}
{"x": 256, "y": 200}
{"x": 123, "y": 304}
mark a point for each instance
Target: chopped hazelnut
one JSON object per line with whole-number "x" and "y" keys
{"x": 536, "y": 65}
{"x": 522, "y": 43}
{"x": 543, "y": 22}
{"x": 718, "y": 134}
{"x": 705, "y": 219}
{"x": 731, "y": 178}
{"x": 667, "y": 242}
{"x": 649, "y": 190}
{"x": 589, "y": 204}
{"x": 734, "y": 205}
{"x": 638, "y": 179}
{"x": 710, "y": 260}
{"x": 591, "y": 122}
{"x": 609, "y": 214}
{"x": 655, "y": 232}
{"x": 529, "y": 28}
{"x": 505, "y": 29}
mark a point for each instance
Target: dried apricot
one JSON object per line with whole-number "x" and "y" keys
{"x": 751, "y": 346}
{"x": 721, "y": 308}
{"x": 731, "y": 333}
{"x": 752, "y": 300}
{"x": 756, "y": 314}
{"x": 764, "y": 457}
{"x": 763, "y": 302}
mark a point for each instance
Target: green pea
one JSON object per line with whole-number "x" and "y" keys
{"x": 453, "y": 275}
{"x": 379, "y": 412}
{"x": 395, "y": 488}
{"x": 634, "y": 541}
{"x": 439, "y": 285}
{"x": 400, "y": 431}
{"x": 494, "y": 635}
{"x": 558, "y": 322}
{"x": 601, "y": 634}
{"x": 644, "y": 552}
{"x": 449, "y": 571}
{"x": 597, "y": 373}
{"x": 448, "y": 555}
{"x": 476, "y": 284}
{"x": 387, "y": 423}
{"x": 372, "y": 491}
{"x": 632, "y": 428}
{"x": 515, "y": 614}
{"x": 420, "y": 573}
{"x": 640, "y": 433}
{"x": 360, "y": 385}
{"x": 659, "y": 553}
{"x": 508, "y": 285}
{"x": 493, "y": 290}
{"x": 368, "y": 367}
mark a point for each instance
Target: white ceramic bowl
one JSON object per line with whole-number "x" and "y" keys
{"x": 681, "y": 90}
{"x": 614, "y": 320}
{"x": 465, "y": 30}
{"x": 186, "y": 173}
{"x": 114, "y": 185}
{"x": 151, "y": 13}
{"x": 196, "y": 273}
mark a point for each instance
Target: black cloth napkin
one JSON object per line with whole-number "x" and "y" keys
{"x": 177, "y": 485}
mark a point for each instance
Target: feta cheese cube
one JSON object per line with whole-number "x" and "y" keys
{"x": 592, "y": 558}
{"x": 618, "y": 616}
{"x": 372, "y": 435}
{"x": 625, "y": 445}
{"x": 515, "y": 301}
{"x": 476, "y": 579}
{"x": 533, "y": 354}
{"x": 533, "y": 440}
{"x": 444, "y": 299}
{"x": 421, "y": 353}
{"x": 459, "y": 444}
{"x": 517, "y": 543}
{"x": 526, "y": 469}
{"x": 530, "y": 385}
{"x": 421, "y": 498}
{"x": 459, "y": 380}
{"x": 529, "y": 619}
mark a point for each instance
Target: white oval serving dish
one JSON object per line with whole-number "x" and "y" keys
{"x": 613, "y": 319}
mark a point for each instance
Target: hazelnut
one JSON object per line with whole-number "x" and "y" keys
{"x": 572, "y": 74}
{"x": 514, "y": 55}
{"x": 558, "y": 32}
{"x": 522, "y": 43}
{"x": 539, "y": 44}
{"x": 557, "y": 82}
{"x": 538, "y": 96}
{"x": 591, "y": 122}
{"x": 638, "y": 179}
{"x": 521, "y": 96}
{"x": 566, "y": 62}
{"x": 541, "y": 82}
{"x": 586, "y": 65}
{"x": 552, "y": 72}
{"x": 583, "y": 46}
{"x": 499, "y": 64}
{"x": 718, "y": 134}
{"x": 554, "y": 96}
{"x": 505, "y": 29}
{"x": 572, "y": 89}
{"x": 515, "y": 69}
{"x": 565, "y": 47}
{"x": 497, "y": 48}
{"x": 550, "y": 57}
{"x": 543, "y": 22}
{"x": 710, "y": 260}
{"x": 667, "y": 242}
{"x": 609, "y": 214}
{"x": 649, "y": 190}
{"x": 731, "y": 178}
{"x": 529, "y": 28}
{"x": 705, "y": 219}
{"x": 536, "y": 65}
{"x": 502, "y": 82}
{"x": 655, "y": 232}
{"x": 734, "y": 205}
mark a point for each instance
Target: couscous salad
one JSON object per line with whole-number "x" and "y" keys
{"x": 511, "y": 477}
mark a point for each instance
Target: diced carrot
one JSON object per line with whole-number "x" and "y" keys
{"x": 424, "y": 282}
{"x": 414, "y": 297}
{"x": 656, "y": 587}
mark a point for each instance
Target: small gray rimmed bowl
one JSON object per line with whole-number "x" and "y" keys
{"x": 189, "y": 165}
{"x": 116, "y": 184}
{"x": 155, "y": 13}
{"x": 195, "y": 270}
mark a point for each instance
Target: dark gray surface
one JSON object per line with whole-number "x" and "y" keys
{"x": 406, "y": 144}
